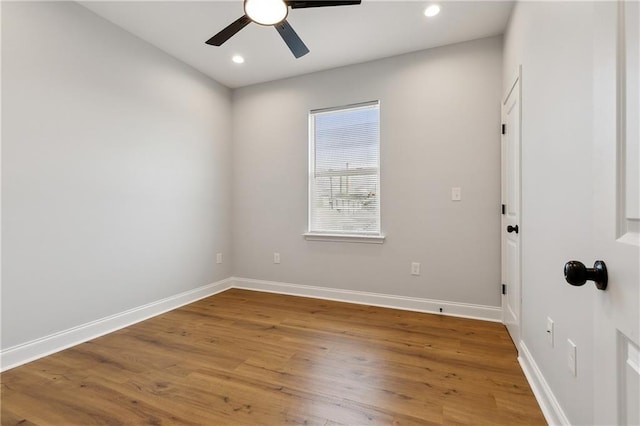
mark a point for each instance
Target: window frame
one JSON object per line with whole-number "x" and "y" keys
{"x": 355, "y": 237}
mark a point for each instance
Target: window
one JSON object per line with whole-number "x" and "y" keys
{"x": 344, "y": 173}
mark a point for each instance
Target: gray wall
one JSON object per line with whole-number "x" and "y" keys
{"x": 553, "y": 42}
{"x": 115, "y": 171}
{"x": 440, "y": 118}
{"x": 120, "y": 181}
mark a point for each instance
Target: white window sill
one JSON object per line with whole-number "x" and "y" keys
{"x": 344, "y": 238}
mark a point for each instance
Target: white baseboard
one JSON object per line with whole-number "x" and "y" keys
{"x": 35, "y": 349}
{"x": 464, "y": 310}
{"x": 549, "y": 405}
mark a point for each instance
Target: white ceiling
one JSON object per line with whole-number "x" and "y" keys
{"x": 336, "y": 36}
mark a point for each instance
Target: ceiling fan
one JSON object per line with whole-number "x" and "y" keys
{"x": 274, "y": 13}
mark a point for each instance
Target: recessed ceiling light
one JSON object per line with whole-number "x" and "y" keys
{"x": 238, "y": 59}
{"x": 432, "y": 10}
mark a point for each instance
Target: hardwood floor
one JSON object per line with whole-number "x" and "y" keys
{"x": 249, "y": 358}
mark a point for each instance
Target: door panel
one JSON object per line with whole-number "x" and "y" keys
{"x": 629, "y": 377}
{"x": 615, "y": 184}
{"x": 512, "y": 316}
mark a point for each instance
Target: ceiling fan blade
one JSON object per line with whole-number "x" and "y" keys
{"x": 296, "y": 45}
{"x": 229, "y": 31}
{"x": 300, "y": 4}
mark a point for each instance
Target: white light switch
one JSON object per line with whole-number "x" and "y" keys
{"x": 219, "y": 258}
{"x": 456, "y": 194}
{"x": 276, "y": 258}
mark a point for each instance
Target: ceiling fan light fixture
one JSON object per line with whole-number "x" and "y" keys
{"x": 432, "y": 10}
{"x": 266, "y": 12}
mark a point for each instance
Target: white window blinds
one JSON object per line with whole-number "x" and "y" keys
{"x": 344, "y": 183}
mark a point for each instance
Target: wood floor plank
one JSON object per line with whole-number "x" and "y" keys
{"x": 250, "y": 358}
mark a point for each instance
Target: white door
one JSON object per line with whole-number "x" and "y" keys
{"x": 511, "y": 278}
{"x": 616, "y": 175}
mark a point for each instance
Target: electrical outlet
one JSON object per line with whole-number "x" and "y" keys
{"x": 415, "y": 268}
{"x": 219, "y": 258}
{"x": 550, "y": 331}
{"x": 276, "y": 257}
{"x": 456, "y": 194}
{"x": 572, "y": 357}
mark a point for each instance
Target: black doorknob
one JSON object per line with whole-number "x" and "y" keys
{"x": 511, "y": 229}
{"x": 577, "y": 274}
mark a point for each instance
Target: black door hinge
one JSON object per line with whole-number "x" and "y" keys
{"x": 504, "y": 289}
{"x": 504, "y": 129}
{"x": 504, "y": 209}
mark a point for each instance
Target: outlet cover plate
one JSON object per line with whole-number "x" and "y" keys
{"x": 456, "y": 193}
{"x": 572, "y": 361}
{"x": 415, "y": 268}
